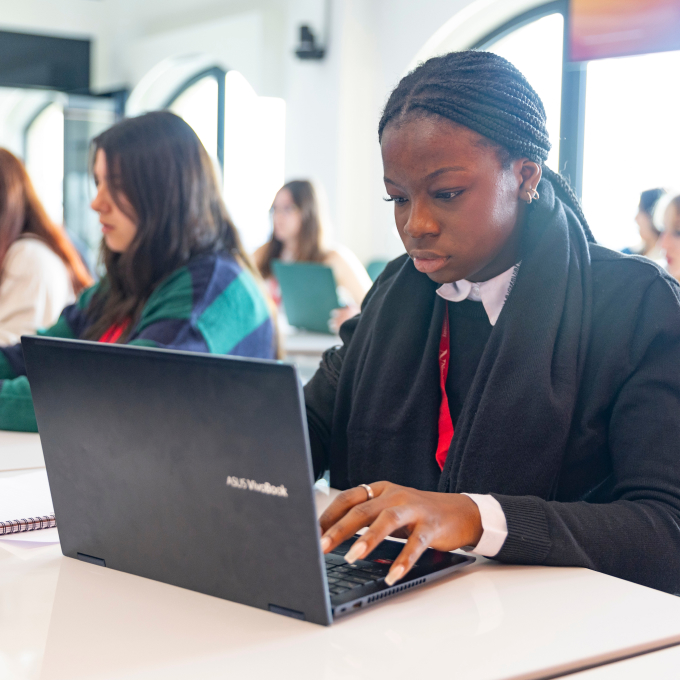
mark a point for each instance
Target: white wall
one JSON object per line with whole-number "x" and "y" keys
{"x": 333, "y": 106}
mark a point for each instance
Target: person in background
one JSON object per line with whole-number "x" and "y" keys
{"x": 670, "y": 238}
{"x": 297, "y": 236}
{"x": 650, "y": 233}
{"x": 509, "y": 384}
{"x": 41, "y": 270}
{"x": 176, "y": 275}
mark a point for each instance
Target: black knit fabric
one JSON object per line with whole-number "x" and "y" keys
{"x": 469, "y": 329}
{"x": 528, "y": 538}
{"x": 572, "y": 420}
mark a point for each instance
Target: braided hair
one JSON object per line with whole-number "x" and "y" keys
{"x": 487, "y": 94}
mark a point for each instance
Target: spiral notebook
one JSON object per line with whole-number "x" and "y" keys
{"x": 26, "y": 506}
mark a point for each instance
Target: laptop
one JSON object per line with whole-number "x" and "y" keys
{"x": 309, "y": 294}
{"x": 195, "y": 470}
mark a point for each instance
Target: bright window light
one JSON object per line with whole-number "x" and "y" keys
{"x": 45, "y": 159}
{"x": 198, "y": 106}
{"x": 254, "y": 146}
{"x": 632, "y": 138}
{"x": 536, "y": 50}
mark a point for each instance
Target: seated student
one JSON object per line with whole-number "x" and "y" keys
{"x": 670, "y": 238}
{"x": 41, "y": 270}
{"x": 297, "y": 236}
{"x": 176, "y": 274}
{"x": 650, "y": 233}
{"x": 506, "y": 356}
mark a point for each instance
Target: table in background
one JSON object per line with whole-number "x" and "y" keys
{"x": 304, "y": 349}
{"x": 19, "y": 451}
{"x": 68, "y": 620}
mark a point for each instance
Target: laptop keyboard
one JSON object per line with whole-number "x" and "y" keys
{"x": 343, "y": 577}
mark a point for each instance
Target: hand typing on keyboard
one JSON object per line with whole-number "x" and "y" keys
{"x": 342, "y": 576}
{"x": 444, "y": 521}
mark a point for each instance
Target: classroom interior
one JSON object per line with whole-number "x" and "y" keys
{"x": 286, "y": 91}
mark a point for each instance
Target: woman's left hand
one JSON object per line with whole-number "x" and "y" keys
{"x": 444, "y": 521}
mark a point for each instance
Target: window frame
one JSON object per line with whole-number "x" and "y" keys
{"x": 219, "y": 75}
{"x": 573, "y": 97}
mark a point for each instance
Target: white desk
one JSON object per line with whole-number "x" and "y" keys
{"x": 61, "y": 619}
{"x": 305, "y": 349}
{"x": 19, "y": 451}
{"x": 304, "y": 343}
{"x": 661, "y": 665}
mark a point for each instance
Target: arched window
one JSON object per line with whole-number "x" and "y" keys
{"x": 200, "y": 101}
{"x": 632, "y": 140}
{"x": 254, "y": 145}
{"x": 534, "y": 42}
{"x": 244, "y": 134}
{"x": 541, "y": 64}
{"x": 612, "y": 122}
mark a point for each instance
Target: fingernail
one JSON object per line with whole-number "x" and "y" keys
{"x": 355, "y": 552}
{"x": 325, "y": 543}
{"x": 395, "y": 574}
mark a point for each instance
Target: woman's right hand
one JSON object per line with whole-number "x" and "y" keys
{"x": 444, "y": 521}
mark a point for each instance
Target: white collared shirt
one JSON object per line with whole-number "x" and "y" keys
{"x": 492, "y": 294}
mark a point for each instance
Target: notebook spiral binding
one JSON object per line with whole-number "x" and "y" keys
{"x": 18, "y": 526}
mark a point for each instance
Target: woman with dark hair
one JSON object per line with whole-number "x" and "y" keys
{"x": 297, "y": 236}
{"x": 650, "y": 233}
{"x": 670, "y": 238}
{"x": 176, "y": 274}
{"x": 41, "y": 269}
{"x": 509, "y": 385}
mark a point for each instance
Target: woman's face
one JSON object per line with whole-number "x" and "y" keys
{"x": 670, "y": 240}
{"x": 457, "y": 209}
{"x": 286, "y": 217}
{"x": 646, "y": 228}
{"x": 118, "y": 228}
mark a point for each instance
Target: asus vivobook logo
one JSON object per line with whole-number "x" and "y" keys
{"x": 252, "y": 485}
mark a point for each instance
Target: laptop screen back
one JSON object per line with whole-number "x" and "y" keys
{"x": 189, "y": 469}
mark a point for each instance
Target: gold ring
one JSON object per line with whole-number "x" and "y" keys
{"x": 369, "y": 491}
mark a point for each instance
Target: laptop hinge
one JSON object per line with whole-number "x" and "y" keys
{"x": 293, "y": 613}
{"x": 92, "y": 560}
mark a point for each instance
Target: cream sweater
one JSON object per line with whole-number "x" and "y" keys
{"x": 35, "y": 286}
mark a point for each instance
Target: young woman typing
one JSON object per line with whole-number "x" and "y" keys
{"x": 297, "y": 236}
{"x": 506, "y": 356}
{"x": 41, "y": 269}
{"x": 176, "y": 274}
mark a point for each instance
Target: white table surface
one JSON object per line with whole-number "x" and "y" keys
{"x": 65, "y": 619}
{"x": 661, "y": 665}
{"x": 304, "y": 349}
{"x": 19, "y": 451}
{"x": 304, "y": 342}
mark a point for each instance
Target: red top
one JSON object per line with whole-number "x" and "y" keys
{"x": 445, "y": 422}
{"x": 114, "y": 332}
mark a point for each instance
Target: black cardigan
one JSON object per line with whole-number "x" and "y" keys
{"x": 606, "y": 495}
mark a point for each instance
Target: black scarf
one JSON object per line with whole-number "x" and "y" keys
{"x": 511, "y": 435}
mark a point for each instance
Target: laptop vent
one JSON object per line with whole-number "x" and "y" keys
{"x": 394, "y": 591}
